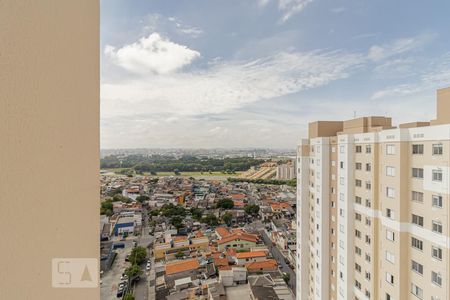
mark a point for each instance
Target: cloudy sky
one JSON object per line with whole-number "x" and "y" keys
{"x": 253, "y": 73}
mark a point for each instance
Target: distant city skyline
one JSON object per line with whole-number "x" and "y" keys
{"x": 244, "y": 74}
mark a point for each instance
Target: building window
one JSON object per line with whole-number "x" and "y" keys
{"x": 368, "y": 258}
{"x": 368, "y": 149}
{"x": 358, "y": 200}
{"x": 437, "y": 175}
{"x": 390, "y": 149}
{"x": 437, "y": 201}
{"x": 436, "y": 252}
{"x": 416, "y": 267}
{"x": 358, "y": 149}
{"x": 436, "y": 278}
{"x": 389, "y": 278}
{"x": 368, "y": 221}
{"x": 358, "y": 166}
{"x": 368, "y": 203}
{"x": 438, "y": 149}
{"x": 417, "y": 149}
{"x": 390, "y": 171}
{"x": 358, "y": 183}
{"x": 417, "y": 220}
{"x": 416, "y": 243}
{"x": 358, "y": 217}
{"x": 341, "y": 164}
{"x": 417, "y": 173}
{"x": 368, "y": 167}
{"x": 390, "y": 235}
{"x": 390, "y": 192}
{"x": 368, "y": 240}
{"x": 357, "y": 233}
{"x": 388, "y": 297}
{"x": 368, "y": 185}
{"x": 416, "y": 291}
{"x": 358, "y": 251}
{"x": 417, "y": 196}
{"x": 390, "y": 257}
{"x": 358, "y": 284}
{"x": 437, "y": 227}
{"x": 389, "y": 213}
{"x": 368, "y": 276}
{"x": 357, "y": 268}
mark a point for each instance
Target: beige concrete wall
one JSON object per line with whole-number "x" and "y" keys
{"x": 49, "y": 129}
{"x": 324, "y": 128}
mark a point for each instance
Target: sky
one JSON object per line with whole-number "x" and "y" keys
{"x": 254, "y": 73}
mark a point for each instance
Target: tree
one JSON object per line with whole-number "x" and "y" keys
{"x": 227, "y": 218}
{"x": 120, "y": 198}
{"x": 128, "y": 296}
{"x": 142, "y": 198}
{"x": 133, "y": 271}
{"x": 196, "y": 213}
{"x": 179, "y": 255}
{"x": 286, "y": 277}
{"x": 106, "y": 208}
{"x": 225, "y": 204}
{"x": 138, "y": 255}
{"x": 177, "y": 221}
{"x": 252, "y": 209}
{"x": 211, "y": 220}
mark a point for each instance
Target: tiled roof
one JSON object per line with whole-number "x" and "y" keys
{"x": 222, "y": 231}
{"x": 238, "y": 196}
{"x": 241, "y": 236}
{"x": 266, "y": 265}
{"x": 220, "y": 262}
{"x": 181, "y": 266}
{"x": 250, "y": 254}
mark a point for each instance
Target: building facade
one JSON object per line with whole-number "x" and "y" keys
{"x": 373, "y": 209}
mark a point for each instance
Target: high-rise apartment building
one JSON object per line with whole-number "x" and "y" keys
{"x": 373, "y": 209}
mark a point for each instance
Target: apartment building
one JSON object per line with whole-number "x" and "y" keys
{"x": 373, "y": 209}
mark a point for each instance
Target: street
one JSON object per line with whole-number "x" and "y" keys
{"x": 278, "y": 256}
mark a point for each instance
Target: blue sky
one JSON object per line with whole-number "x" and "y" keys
{"x": 253, "y": 73}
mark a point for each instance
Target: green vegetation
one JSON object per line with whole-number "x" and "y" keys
{"x": 106, "y": 208}
{"x": 251, "y": 209}
{"x": 225, "y": 204}
{"x": 211, "y": 220}
{"x": 196, "y": 213}
{"x": 158, "y": 163}
{"x": 177, "y": 221}
{"x": 128, "y": 296}
{"x": 141, "y": 198}
{"x": 170, "y": 210}
{"x": 120, "y": 198}
{"x": 227, "y": 218}
{"x": 179, "y": 255}
{"x": 138, "y": 255}
{"x": 133, "y": 271}
{"x": 286, "y": 277}
{"x": 292, "y": 182}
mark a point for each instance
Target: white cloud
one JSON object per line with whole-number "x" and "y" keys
{"x": 399, "y": 46}
{"x": 226, "y": 85}
{"x": 152, "y": 55}
{"x": 291, "y": 7}
{"x": 435, "y": 76}
{"x": 287, "y": 7}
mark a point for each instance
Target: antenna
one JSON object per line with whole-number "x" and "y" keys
{"x": 354, "y": 114}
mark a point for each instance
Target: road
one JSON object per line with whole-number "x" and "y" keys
{"x": 278, "y": 256}
{"x": 144, "y": 240}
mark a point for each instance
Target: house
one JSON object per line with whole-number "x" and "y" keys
{"x": 233, "y": 276}
{"x": 243, "y": 258}
{"x": 222, "y": 232}
{"x": 171, "y": 246}
{"x": 182, "y": 266}
{"x": 239, "y": 241}
{"x": 269, "y": 265}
